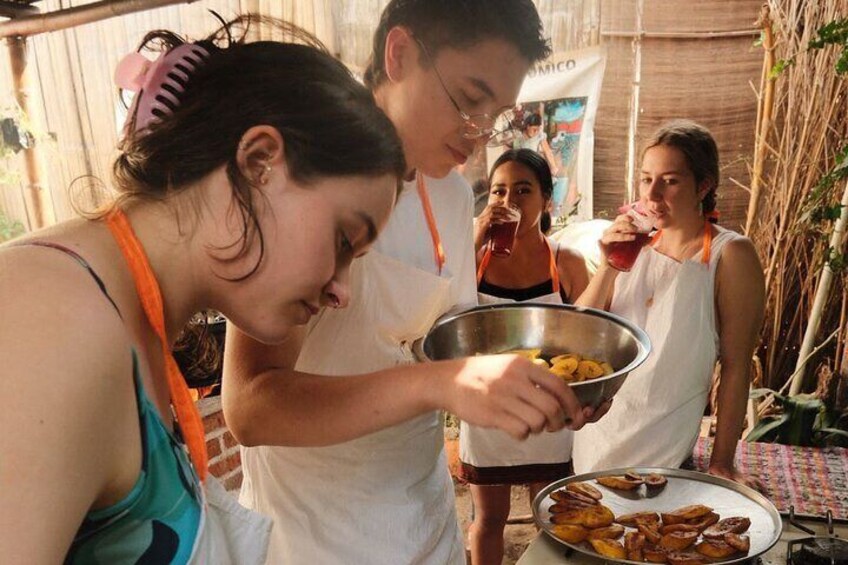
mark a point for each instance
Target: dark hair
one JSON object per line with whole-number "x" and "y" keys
{"x": 330, "y": 123}
{"x": 540, "y": 168}
{"x": 533, "y": 119}
{"x": 459, "y": 24}
{"x": 700, "y": 150}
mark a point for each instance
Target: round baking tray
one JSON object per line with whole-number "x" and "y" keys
{"x": 725, "y": 497}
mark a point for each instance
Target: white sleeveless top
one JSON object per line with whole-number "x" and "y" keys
{"x": 655, "y": 418}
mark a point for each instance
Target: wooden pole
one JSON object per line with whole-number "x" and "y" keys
{"x": 822, "y": 294}
{"x": 39, "y": 203}
{"x": 79, "y": 15}
{"x": 633, "y": 126}
{"x": 764, "y": 112}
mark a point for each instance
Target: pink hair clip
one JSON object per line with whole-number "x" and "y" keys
{"x": 158, "y": 83}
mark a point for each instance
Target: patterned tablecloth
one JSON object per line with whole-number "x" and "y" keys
{"x": 812, "y": 479}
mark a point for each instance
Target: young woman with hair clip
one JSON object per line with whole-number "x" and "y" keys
{"x": 698, "y": 292}
{"x": 537, "y": 270}
{"x": 250, "y": 175}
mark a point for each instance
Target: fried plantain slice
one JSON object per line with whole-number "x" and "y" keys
{"x": 541, "y": 362}
{"x": 705, "y": 521}
{"x": 633, "y": 544}
{"x": 589, "y": 369}
{"x": 570, "y": 516}
{"x": 567, "y": 497}
{"x": 738, "y": 542}
{"x": 715, "y": 549}
{"x": 678, "y": 540}
{"x": 654, "y": 553}
{"x": 567, "y": 506}
{"x": 578, "y": 497}
{"x": 655, "y": 481}
{"x": 598, "y": 516}
{"x": 609, "y": 548}
{"x": 613, "y": 531}
{"x": 570, "y": 533}
{"x": 685, "y": 558}
{"x": 632, "y": 475}
{"x": 560, "y": 358}
{"x": 619, "y": 482}
{"x": 636, "y": 518}
{"x": 669, "y": 528}
{"x": 585, "y": 489}
{"x": 567, "y": 365}
{"x": 608, "y": 370}
{"x": 685, "y": 513}
{"x": 734, "y": 525}
{"x": 650, "y": 532}
{"x": 528, "y": 354}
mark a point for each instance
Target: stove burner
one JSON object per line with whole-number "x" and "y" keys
{"x": 816, "y": 550}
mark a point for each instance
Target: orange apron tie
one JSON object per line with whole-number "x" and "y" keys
{"x": 438, "y": 249}
{"x": 707, "y": 246}
{"x": 487, "y": 256}
{"x": 188, "y": 418}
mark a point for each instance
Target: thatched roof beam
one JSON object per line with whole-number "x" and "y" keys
{"x": 78, "y": 15}
{"x": 16, "y": 9}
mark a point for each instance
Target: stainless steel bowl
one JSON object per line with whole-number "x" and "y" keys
{"x": 553, "y": 328}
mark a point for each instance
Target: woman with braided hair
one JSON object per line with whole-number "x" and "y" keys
{"x": 697, "y": 289}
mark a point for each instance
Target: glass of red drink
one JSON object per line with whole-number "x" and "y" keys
{"x": 623, "y": 254}
{"x": 502, "y": 235}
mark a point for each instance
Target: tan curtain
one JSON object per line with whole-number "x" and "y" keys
{"x": 696, "y": 62}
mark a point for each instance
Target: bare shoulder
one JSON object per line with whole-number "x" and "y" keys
{"x": 739, "y": 262}
{"x": 740, "y": 282}
{"x": 63, "y": 348}
{"x": 58, "y": 330}
{"x": 569, "y": 260}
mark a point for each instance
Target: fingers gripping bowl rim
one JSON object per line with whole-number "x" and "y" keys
{"x": 553, "y": 328}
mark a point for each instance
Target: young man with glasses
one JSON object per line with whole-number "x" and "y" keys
{"x": 362, "y": 477}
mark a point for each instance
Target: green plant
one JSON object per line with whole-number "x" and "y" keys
{"x": 805, "y": 420}
{"x": 9, "y": 228}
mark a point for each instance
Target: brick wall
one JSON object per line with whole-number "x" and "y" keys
{"x": 224, "y": 457}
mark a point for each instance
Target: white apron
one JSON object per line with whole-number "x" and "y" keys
{"x": 488, "y": 447}
{"x": 228, "y": 534}
{"x": 655, "y": 418}
{"x": 386, "y": 498}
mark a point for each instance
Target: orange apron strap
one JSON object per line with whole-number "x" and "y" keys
{"x": 553, "y": 267}
{"x": 484, "y": 263}
{"x": 438, "y": 249}
{"x": 188, "y": 418}
{"x": 706, "y": 251}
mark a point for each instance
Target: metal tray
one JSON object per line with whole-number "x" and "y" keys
{"x": 725, "y": 497}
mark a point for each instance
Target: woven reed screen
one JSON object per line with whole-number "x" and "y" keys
{"x": 708, "y": 79}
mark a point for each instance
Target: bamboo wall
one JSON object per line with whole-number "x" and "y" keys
{"x": 706, "y": 79}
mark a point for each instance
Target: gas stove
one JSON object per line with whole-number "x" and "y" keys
{"x": 817, "y": 548}
{"x": 804, "y": 541}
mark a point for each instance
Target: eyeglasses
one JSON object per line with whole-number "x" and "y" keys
{"x": 477, "y": 126}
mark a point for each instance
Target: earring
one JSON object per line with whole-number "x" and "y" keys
{"x": 263, "y": 176}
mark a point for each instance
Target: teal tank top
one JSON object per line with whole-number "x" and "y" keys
{"x": 158, "y": 520}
